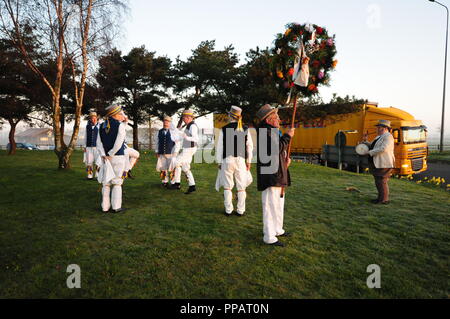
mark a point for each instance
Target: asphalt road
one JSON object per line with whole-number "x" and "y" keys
{"x": 436, "y": 170}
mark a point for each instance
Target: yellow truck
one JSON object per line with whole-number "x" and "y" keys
{"x": 332, "y": 140}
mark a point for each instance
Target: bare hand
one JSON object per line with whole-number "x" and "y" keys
{"x": 365, "y": 137}
{"x": 291, "y": 132}
{"x": 219, "y": 166}
{"x": 249, "y": 165}
{"x": 288, "y": 161}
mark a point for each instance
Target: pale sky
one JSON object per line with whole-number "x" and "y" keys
{"x": 391, "y": 52}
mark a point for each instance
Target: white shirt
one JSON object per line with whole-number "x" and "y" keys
{"x": 177, "y": 135}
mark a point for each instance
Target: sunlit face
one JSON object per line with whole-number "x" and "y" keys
{"x": 120, "y": 117}
{"x": 166, "y": 124}
{"x": 93, "y": 119}
{"x": 187, "y": 119}
{"x": 381, "y": 130}
{"x": 273, "y": 120}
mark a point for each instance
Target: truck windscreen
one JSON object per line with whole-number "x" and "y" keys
{"x": 414, "y": 134}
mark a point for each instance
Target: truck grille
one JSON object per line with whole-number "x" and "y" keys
{"x": 417, "y": 164}
{"x": 417, "y": 152}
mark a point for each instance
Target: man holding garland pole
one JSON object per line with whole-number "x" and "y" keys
{"x": 272, "y": 172}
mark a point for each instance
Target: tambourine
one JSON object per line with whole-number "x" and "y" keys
{"x": 362, "y": 149}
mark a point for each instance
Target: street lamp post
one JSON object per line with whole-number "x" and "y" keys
{"x": 441, "y": 145}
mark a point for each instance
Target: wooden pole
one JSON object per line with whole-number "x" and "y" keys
{"x": 288, "y": 154}
{"x": 292, "y": 125}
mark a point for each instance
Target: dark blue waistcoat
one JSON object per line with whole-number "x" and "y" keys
{"x": 91, "y": 135}
{"x": 165, "y": 143}
{"x": 108, "y": 136}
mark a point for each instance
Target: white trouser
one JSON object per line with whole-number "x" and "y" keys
{"x": 91, "y": 154}
{"x": 273, "y": 213}
{"x": 234, "y": 168}
{"x": 113, "y": 198}
{"x": 164, "y": 165}
{"x": 183, "y": 162}
{"x": 131, "y": 157}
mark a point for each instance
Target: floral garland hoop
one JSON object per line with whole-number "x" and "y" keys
{"x": 303, "y": 58}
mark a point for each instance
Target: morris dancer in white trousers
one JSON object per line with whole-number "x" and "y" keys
{"x": 131, "y": 157}
{"x": 111, "y": 147}
{"x": 189, "y": 138}
{"x": 90, "y": 150}
{"x": 165, "y": 148}
{"x": 272, "y": 172}
{"x": 234, "y": 155}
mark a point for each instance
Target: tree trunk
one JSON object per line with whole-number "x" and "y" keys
{"x": 135, "y": 136}
{"x": 62, "y": 121}
{"x": 64, "y": 159}
{"x": 12, "y": 141}
{"x": 150, "y": 137}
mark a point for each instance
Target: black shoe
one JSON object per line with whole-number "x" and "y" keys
{"x": 228, "y": 215}
{"x": 277, "y": 243}
{"x": 129, "y": 175}
{"x": 89, "y": 178}
{"x": 175, "y": 186}
{"x": 120, "y": 210}
{"x": 164, "y": 185}
{"x": 374, "y": 201}
{"x": 103, "y": 211}
{"x": 190, "y": 189}
{"x": 239, "y": 215}
{"x": 285, "y": 234}
{"x": 385, "y": 203}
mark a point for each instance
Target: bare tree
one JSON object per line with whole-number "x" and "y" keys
{"x": 73, "y": 31}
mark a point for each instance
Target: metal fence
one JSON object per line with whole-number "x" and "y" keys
{"x": 435, "y": 147}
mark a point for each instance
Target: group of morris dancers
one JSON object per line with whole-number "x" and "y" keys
{"x": 110, "y": 160}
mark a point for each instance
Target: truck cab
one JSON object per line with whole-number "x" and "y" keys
{"x": 411, "y": 148}
{"x": 410, "y": 136}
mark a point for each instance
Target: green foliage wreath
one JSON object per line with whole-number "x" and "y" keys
{"x": 318, "y": 46}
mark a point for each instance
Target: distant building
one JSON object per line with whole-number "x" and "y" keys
{"x": 38, "y": 136}
{"x": 35, "y": 136}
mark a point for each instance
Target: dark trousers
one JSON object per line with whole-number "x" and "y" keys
{"x": 382, "y": 176}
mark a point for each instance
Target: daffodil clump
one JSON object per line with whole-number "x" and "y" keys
{"x": 434, "y": 181}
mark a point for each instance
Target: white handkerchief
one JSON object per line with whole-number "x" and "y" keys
{"x": 106, "y": 173}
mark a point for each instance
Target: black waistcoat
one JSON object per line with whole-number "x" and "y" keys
{"x": 234, "y": 142}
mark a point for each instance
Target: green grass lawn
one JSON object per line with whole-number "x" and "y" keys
{"x": 440, "y": 156}
{"x": 171, "y": 245}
